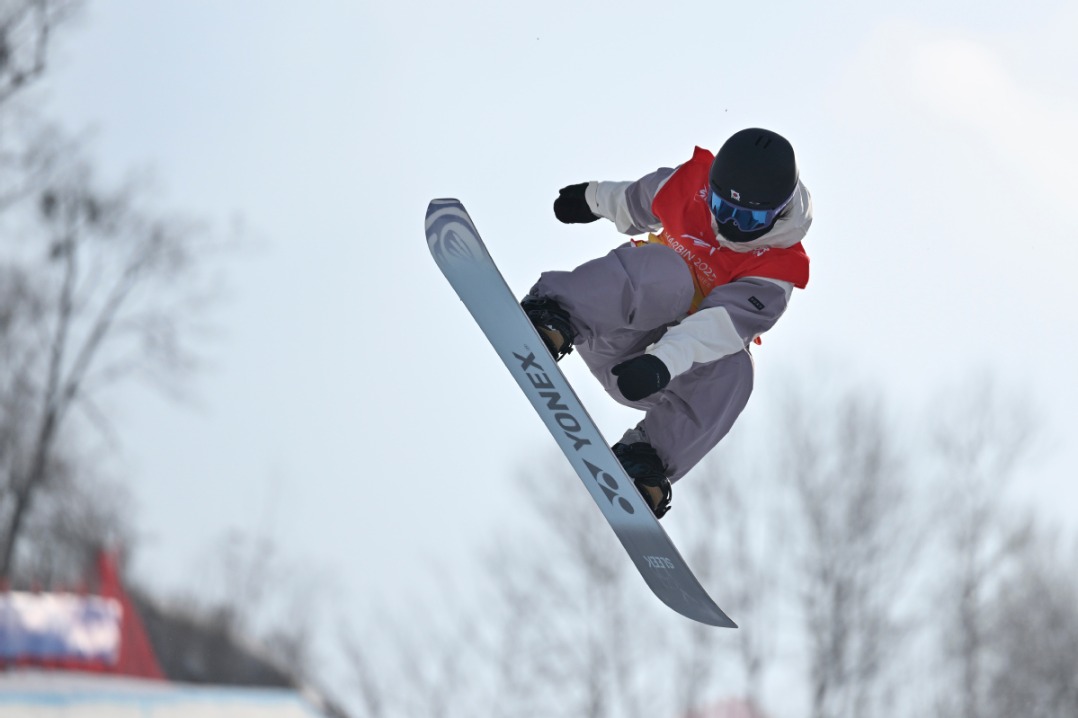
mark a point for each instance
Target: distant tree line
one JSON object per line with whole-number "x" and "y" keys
{"x": 875, "y": 571}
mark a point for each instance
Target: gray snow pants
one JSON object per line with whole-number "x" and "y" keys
{"x": 620, "y": 304}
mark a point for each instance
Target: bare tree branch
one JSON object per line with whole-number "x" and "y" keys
{"x": 26, "y": 28}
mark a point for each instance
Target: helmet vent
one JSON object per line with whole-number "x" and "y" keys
{"x": 766, "y": 141}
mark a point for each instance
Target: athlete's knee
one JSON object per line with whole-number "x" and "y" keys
{"x": 658, "y": 285}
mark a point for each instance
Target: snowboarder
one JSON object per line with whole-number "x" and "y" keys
{"x": 666, "y": 323}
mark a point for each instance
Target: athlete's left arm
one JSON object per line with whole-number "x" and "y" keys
{"x": 729, "y": 319}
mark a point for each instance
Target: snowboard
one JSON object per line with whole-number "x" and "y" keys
{"x": 465, "y": 262}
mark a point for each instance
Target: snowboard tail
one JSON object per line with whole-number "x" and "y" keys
{"x": 461, "y": 255}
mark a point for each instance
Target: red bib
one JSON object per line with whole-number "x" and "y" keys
{"x": 681, "y": 206}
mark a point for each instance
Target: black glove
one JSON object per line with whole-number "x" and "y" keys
{"x": 571, "y": 208}
{"x": 641, "y": 376}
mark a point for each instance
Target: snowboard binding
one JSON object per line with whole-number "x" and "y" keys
{"x": 552, "y": 322}
{"x": 645, "y": 468}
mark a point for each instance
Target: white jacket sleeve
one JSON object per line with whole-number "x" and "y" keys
{"x": 728, "y": 320}
{"x": 628, "y": 204}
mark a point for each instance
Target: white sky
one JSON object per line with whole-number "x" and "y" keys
{"x": 352, "y": 408}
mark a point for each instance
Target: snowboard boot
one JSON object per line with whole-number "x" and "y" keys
{"x": 552, "y": 322}
{"x": 645, "y": 468}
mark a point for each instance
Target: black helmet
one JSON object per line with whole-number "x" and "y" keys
{"x": 755, "y": 169}
{"x": 752, "y": 179}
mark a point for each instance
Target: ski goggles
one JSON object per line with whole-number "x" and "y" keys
{"x": 743, "y": 218}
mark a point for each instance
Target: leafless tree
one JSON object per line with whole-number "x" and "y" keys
{"x": 980, "y": 439}
{"x": 115, "y": 296}
{"x": 858, "y": 537}
{"x": 1032, "y": 670}
{"x": 79, "y": 513}
{"x": 732, "y": 539}
{"x": 569, "y": 589}
{"x": 76, "y": 263}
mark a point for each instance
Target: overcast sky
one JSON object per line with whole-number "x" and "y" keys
{"x": 351, "y": 408}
